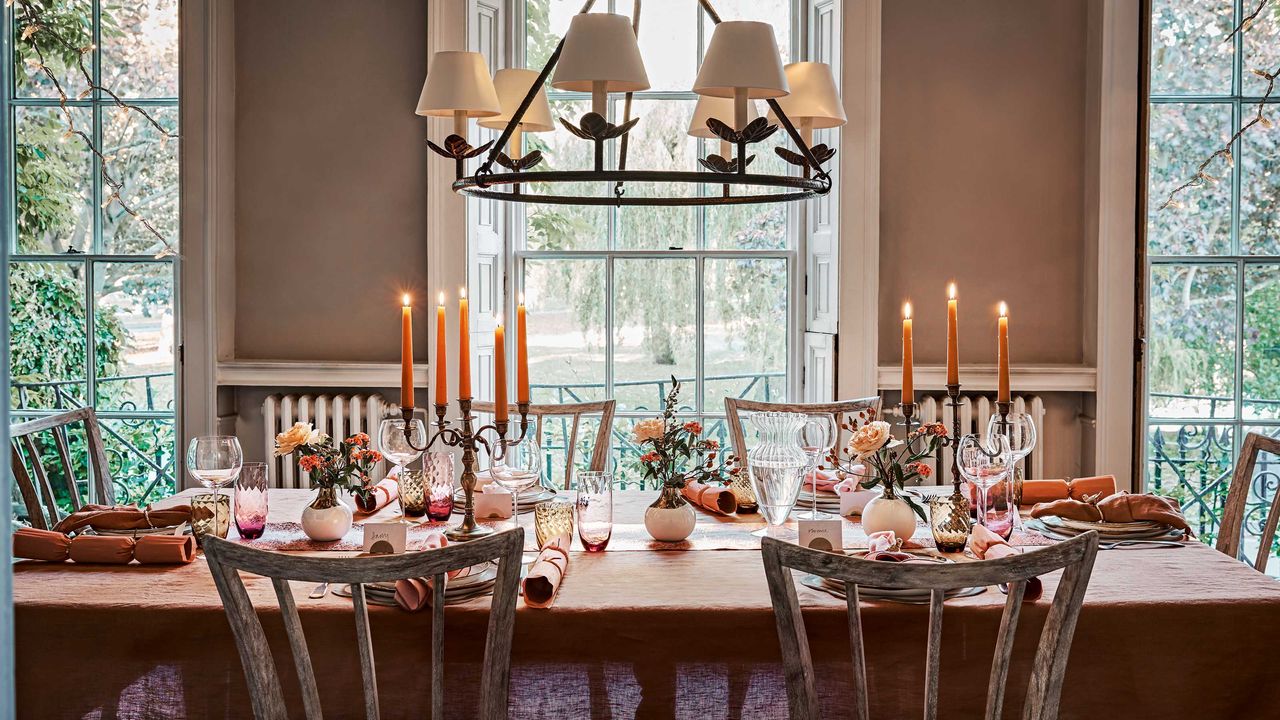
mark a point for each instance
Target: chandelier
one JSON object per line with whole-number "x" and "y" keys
{"x": 599, "y": 54}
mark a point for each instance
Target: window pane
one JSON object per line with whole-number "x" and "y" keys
{"x": 668, "y": 41}
{"x": 47, "y": 335}
{"x": 1188, "y": 55}
{"x": 1260, "y": 192}
{"x": 1261, "y": 49}
{"x": 1192, "y": 464}
{"x": 556, "y": 431}
{"x": 140, "y": 453}
{"x": 565, "y": 227}
{"x": 1262, "y": 342}
{"x": 135, "y": 312}
{"x": 1191, "y": 354}
{"x": 749, "y": 227}
{"x": 654, "y": 332}
{"x": 1181, "y": 137}
{"x": 775, "y": 12}
{"x": 147, "y": 163}
{"x": 67, "y": 30}
{"x": 659, "y": 142}
{"x": 545, "y": 23}
{"x": 53, "y": 181}
{"x": 746, "y": 329}
{"x": 140, "y": 47}
{"x": 566, "y": 304}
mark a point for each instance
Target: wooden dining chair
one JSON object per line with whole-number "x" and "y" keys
{"x": 840, "y": 411}
{"x": 35, "y": 480}
{"x": 227, "y": 559}
{"x": 1075, "y": 557}
{"x": 574, "y": 412}
{"x": 1233, "y": 514}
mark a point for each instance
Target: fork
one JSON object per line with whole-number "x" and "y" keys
{"x": 320, "y": 591}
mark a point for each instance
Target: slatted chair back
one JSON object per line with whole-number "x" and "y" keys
{"x": 574, "y": 412}
{"x": 35, "y": 480}
{"x": 1233, "y": 515}
{"x": 841, "y": 411}
{"x": 227, "y": 559}
{"x": 1074, "y": 557}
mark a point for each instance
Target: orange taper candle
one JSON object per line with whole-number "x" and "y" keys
{"x": 1002, "y": 354}
{"x": 953, "y": 350}
{"x": 908, "y": 382}
{"x": 499, "y": 372}
{"x": 464, "y": 348}
{"x": 522, "y": 354}
{"x": 442, "y": 375}
{"x": 406, "y": 353}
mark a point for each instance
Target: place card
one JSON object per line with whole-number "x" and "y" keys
{"x": 385, "y": 538}
{"x": 822, "y": 534}
{"x": 494, "y": 502}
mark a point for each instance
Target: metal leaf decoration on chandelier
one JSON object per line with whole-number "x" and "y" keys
{"x": 518, "y": 164}
{"x": 821, "y": 153}
{"x": 593, "y": 126}
{"x": 715, "y": 163}
{"x": 754, "y": 132}
{"x": 457, "y": 148}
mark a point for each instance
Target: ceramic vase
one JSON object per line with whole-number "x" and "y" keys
{"x": 326, "y": 519}
{"x": 670, "y": 518}
{"x": 889, "y": 513}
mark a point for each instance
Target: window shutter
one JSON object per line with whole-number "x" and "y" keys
{"x": 821, "y": 222}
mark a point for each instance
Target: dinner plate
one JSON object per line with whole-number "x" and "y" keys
{"x": 867, "y": 592}
{"x": 524, "y": 501}
{"x": 1138, "y": 526}
{"x": 1058, "y": 531}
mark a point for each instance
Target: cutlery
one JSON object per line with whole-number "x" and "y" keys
{"x": 321, "y": 590}
{"x": 1137, "y": 543}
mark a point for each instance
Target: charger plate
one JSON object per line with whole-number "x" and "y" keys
{"x": 1064, "y": 529}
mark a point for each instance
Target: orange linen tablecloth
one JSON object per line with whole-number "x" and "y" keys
{"x": 1185, "y": 633}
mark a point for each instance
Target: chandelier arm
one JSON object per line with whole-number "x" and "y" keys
{"x": 795, "y": 137}
{"x": 711, "y": 12}
{"x": 803, "y": 188}
{"x": 518, "y": 115}
{"x": 626, "y": 111}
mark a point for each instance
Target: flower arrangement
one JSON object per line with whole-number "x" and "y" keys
{"x": 671, "y": 446}
{"x": 346, "y": 464}
{"x": 892, "y": 463}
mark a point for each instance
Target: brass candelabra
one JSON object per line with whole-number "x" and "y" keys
{"x": 470, "y": 439}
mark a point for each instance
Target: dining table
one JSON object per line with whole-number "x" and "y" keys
{"x": 646, "y": 630}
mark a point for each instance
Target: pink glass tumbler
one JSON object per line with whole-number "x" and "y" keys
{"x": 439, "y": 471}
{"x": 251, "y": 501}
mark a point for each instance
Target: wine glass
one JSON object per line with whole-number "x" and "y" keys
{"x": 1019, "y": 429}
{"x": 215, "y": 460}
{"x": 397, "y": 448}
{"x": 519, "y": 469}
{"x": 817, "y": 435}
{"x": 984, "y": 465}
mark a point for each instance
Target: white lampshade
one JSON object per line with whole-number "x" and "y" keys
{"x": 814, "y": 97}
{"x": 719, "y": 108}
{"x": 600, "y": 47}
{"x": 458, "y": 82}
{"x": 742, "y": 54}
{"x": 512, "y": 85}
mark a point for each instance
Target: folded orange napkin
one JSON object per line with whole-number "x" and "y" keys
{"x": 1068, "y": 508}
{"x": 379, "y": 496}
{"x": 123, "y": 517}
{"x": 886, "y": 546}
{"x": 165, "y": 549}
{"x": 108, "y": 549}
{"x": 34, "y": 544}
{"x": 822, "y": 480}
{"x": 713, "y": 499}
{"x": 1124, "y": 507}
{"x": 543, "y": 581}
{"x": 987, "y": 545}
{"x": 1038, "y": 491}
{"x": 413, "y": 594}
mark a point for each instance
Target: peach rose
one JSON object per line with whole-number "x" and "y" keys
{"x": 652, "y": 429}
{"x": 300, "y": 434}
{"x": 869, "y": 438}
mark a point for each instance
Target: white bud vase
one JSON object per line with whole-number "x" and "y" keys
{"x": 670, "y": 518}
{"x": 326, "y": 519}
{"x": 889, "y": 513}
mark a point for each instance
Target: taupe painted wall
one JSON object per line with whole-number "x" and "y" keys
{"x": 331, "y": 172}
{"x": 982, "y": 179}
{"x": 982, "y": 175}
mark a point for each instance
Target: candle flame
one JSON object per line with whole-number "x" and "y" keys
{"x": 1004, "y": 309}
{"x": 906, "y": 310}
{"x": 951, "y": 291}
{"x": 462, "y": 292}
{"x": 404, "y": 299}
{"x": 498, "y": 319}
{"x": 520, "y": 299}
{"x": 441, "y": 297}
